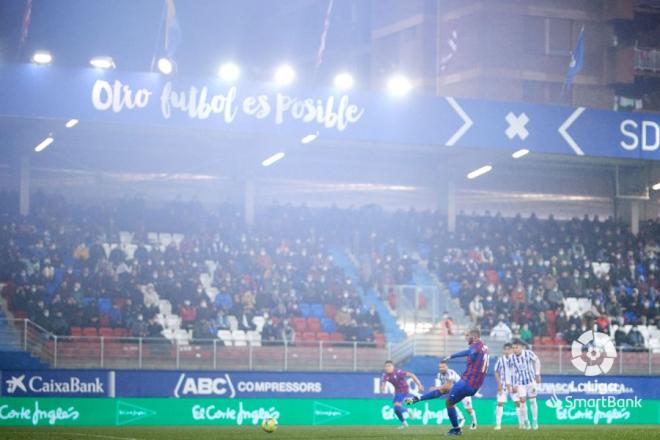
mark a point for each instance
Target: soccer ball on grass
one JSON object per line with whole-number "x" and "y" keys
{"x": 269, "y": 425}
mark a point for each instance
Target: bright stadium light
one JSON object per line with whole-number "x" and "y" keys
{"x": 229, "y": 72}
{"x": 285, "y": 75}
{"x": 102, "y": 62}
{"x": 520, "y": 153}
{"x": 272, "y": 159}
{"x": 309, "y": 138}
{"x": 479, "y": 172}
{"x": 42, "y": 57}
{"x": 656, "y": 187}
{"x": 165, "y": 66}
{"x": 43, "y": 144}
{"x": 343, "y": 81}
{"x": 71, "y": 123}
{"x": 399, "y": 85}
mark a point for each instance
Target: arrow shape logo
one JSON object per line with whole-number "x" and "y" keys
{"x": 129, "y": 413}
{"x": 324, "y": 414}
{"x": 467, "y": 122}
{"x": 567, "y": 137}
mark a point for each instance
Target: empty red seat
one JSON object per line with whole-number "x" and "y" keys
{"x": 76, "y": 331}
{"x": 380, "y": 340}
{"x": 322, "y": 336}
{"x": 330, "y": 310}
{"x": 537, "y": 340}
{"x": 119, "y": 332}
{"x": 106, "y": 332}
{"x": 89, "y": 331}
{"x": 309, "y": 336}
{"x": 300, "y": 324}
{"x": 547, "y": 340}
{"x": 313, "y": 324}
{"x": 337, "y": 337}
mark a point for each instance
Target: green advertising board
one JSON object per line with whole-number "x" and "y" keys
{"x": 180, "y": 412}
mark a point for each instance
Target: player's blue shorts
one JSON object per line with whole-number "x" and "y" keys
{"x": 460, "y": 391}
{"x": 400, "y": 397}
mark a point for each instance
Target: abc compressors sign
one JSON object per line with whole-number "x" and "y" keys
{"x": 52, "y": 398}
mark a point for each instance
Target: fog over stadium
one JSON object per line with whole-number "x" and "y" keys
{"x": 329, "y": 218}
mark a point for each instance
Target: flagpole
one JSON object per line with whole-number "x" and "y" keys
{"x": 160, "y": 29}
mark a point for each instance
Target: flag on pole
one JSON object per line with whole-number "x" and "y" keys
{"x": 577, "y": 60}
{"x": 324, "y": 34}
{"x": 452, "y": 44}
{"x": 172, "y": 29}
{"x": 27, "y": 18}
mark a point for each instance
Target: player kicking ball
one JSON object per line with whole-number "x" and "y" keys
{"x": 444, "y": 382}
{"x": 472, "y": 378}
{"x": 399, "y": 379}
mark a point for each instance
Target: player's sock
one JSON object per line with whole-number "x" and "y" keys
{"x": 521, "y": 420}
{"x": 499, "y": 410}
{"x": 453, "y": 416}
{"x": 430, "y": 395}
{"x": 524, "y": 413}
{"x": 535, "y": 410}
{"x": 473, "y": 416}
{"x": 399, "y": 414}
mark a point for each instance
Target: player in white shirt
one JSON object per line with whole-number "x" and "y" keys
{"x": 503, "y": 371}
{"x": 444, "y": 381}
{"x": 526, "y": 378}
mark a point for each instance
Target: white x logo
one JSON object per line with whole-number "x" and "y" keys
{"x": 517, "y": 126}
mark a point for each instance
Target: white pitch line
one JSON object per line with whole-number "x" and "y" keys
{"x": 75, "y": 434}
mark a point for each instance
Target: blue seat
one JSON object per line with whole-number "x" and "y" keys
{"x": 328, "y": 325}
{"x": 305, "y": 309}
{"x": 317, "y": 311}
{"x": 105, "y": 305}
{"x": 455, "y": 288}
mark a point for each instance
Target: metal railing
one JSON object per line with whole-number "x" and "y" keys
{"x": 417, "y": 308}
{"x": 647, "y": 59}
{"x": 161, "y": 353}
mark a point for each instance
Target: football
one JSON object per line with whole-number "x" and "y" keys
{"x": 269, "y": 425}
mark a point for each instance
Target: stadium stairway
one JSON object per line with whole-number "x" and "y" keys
{"x": 11, "y": 355}
{"x": 423, "y": 277}
{"x": 346, "y": 262}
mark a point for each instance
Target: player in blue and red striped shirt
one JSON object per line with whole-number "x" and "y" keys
{"x": 472, "y": 378}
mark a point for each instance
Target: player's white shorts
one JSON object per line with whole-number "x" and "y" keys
{"x": 502, "y": 396}
{"x": 525, "y": 391}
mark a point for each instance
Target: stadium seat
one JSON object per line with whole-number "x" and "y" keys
{"x": 317, "y": 311}
{"x": 76, "y": 331}
{"x": 225, "y": 336}
{"x": 380, "y": 340}
{"x": 259, "y": 322}
{"x": 330, "y": 310}
{"x": 299, "y": 324}
{"x": 254, "y": 338}
{"x": 106, "y": 332}
{"x": 313, "y": 325}
{"x": 233, "y": 323}
{"x": 328, "y": 325}
{"x": 323, "y": 336}
{"x": 105, "y": 305}
{"x": 336, "y": 337}
{"x": 120, "y": 331}
{"x": 89, "y": 331}
{"x": 305, "y": 310}
{"x": 239, "y": 338}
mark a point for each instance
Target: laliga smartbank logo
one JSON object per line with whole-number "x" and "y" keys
{"x": 600, "y": 353}
{"x": 598, "y": 410}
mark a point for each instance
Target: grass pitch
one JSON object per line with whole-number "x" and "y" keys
{"x": 635, "y": 432}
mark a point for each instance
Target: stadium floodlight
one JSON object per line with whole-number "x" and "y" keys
{"x": 42, "y": 57}
{"x": 479, "y": 172}
{"x": 285, "y": 75}
{"x": 309, "y": 138}
{"x": 399, "y": 85}
{"x": 520, "y": 153}
{"x": 656, "y": 187}
{"x": 229, "y": 72}
{"x": 165, "y": 66}
{"x": 272, "y": 159}
{"x": 71, "y": 123}
{"x": 102, "y": 62}
{"x": 43, "y": 144}
{"x": 343, "y": 81}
